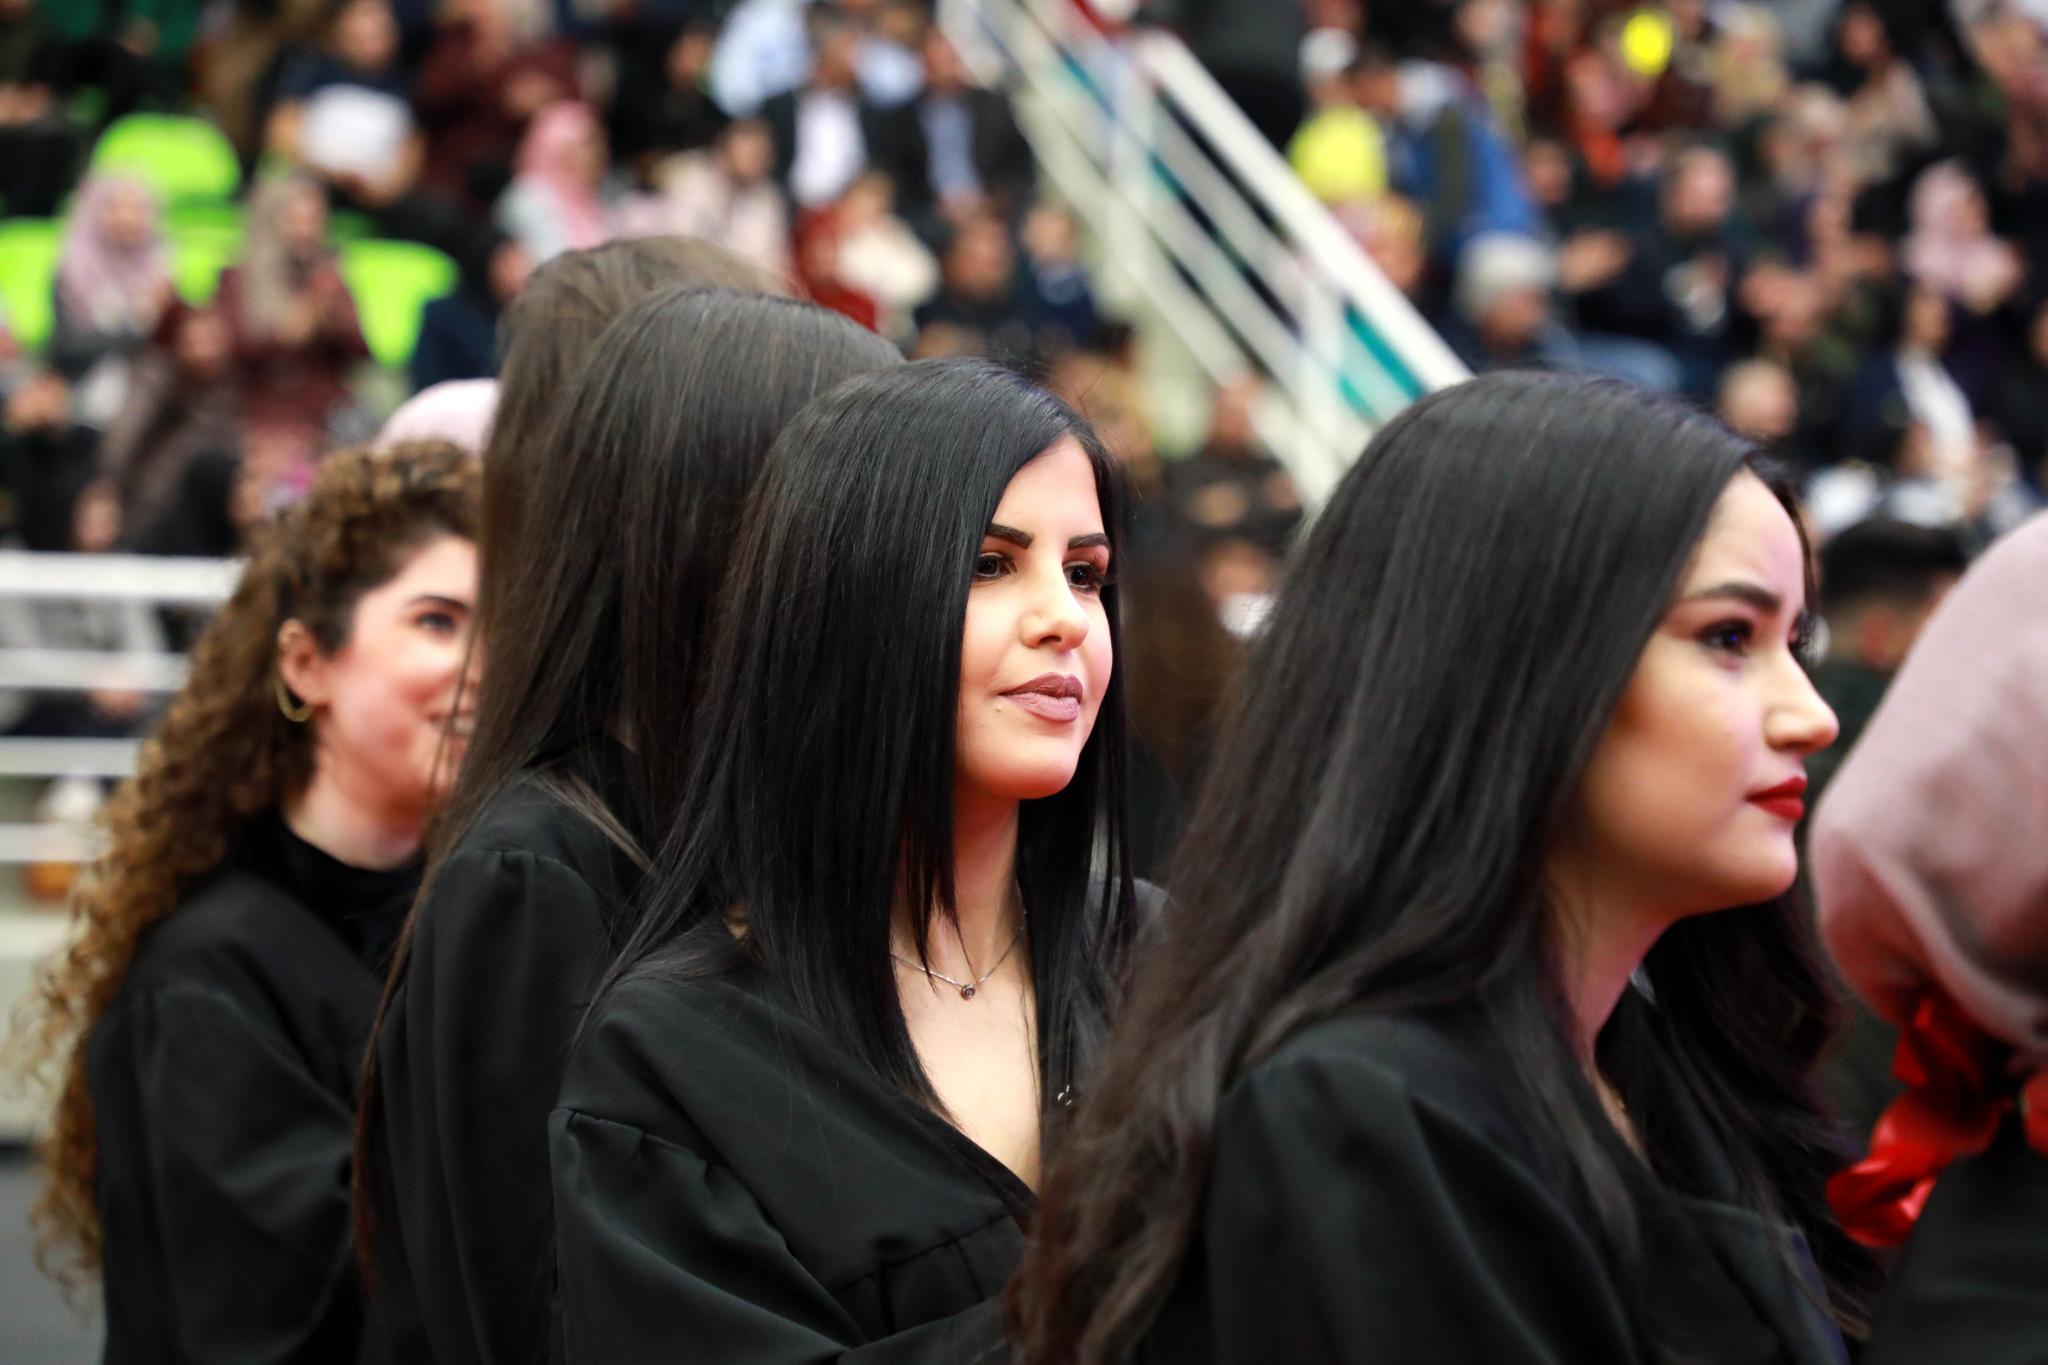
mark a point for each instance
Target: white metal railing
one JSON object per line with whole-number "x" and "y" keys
{"x": 144, "y": 579}
{"x": 1206, "y": 224}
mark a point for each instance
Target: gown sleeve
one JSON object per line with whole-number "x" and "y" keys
{"x": 1349, "y": 1219}
{"x": 225, "y": 1184}
{"x": 665, "y": 1255}
{"x": 505, "y": 953}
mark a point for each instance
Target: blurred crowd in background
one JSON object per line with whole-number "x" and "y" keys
{"x": 1826, "y": 220}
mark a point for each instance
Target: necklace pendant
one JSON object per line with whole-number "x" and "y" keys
{"x": 967, "y": 992}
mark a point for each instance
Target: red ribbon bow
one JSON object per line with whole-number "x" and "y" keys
{"x": 1950, "y": 1110}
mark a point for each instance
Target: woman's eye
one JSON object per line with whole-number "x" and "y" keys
{"x": 1729, "y": 637}
{"x": 990, "y": 565}
{"x": 439, "y": 622}
{"x": 1086, "y": 577}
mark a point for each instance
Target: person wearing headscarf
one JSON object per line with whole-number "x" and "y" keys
{"x": 554, "y": 204}
{"x": 1930, "y": 859}
{"x": 113, "y": 284}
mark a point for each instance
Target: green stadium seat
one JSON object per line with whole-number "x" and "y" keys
{"x": 392, "y": 282}
{"x": 28, "y": 267}
{"x": 182, "y": 159}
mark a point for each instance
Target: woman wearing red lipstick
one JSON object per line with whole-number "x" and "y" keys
{"x": 806, "y": 1117}
{"x": 1480, "y": 1019}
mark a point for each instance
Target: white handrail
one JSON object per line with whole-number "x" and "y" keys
{"x": 170, "y": 580}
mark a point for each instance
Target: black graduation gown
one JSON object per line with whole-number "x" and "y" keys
{"x": 509, "y": 943}
{"x": 223, "y": 1080}
{"x": 1970, "y": 1286}
{"x": 731, "y": 1186}
{"x": 1372, "y": 1198}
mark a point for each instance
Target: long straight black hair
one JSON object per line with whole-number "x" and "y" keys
{"x": 599, "y": 623}
{"x": 833, "y": 690}
{"x": 1442, "y": 663}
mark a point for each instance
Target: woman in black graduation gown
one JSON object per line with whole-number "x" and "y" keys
{"x": 1454, "y": 1048}
{"x": 213, "y": 1007}
{"x": 804, "y": 1119}
{"x": 593, "y": 623}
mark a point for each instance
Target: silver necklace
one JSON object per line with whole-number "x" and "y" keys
{"x": 967, "y": 988}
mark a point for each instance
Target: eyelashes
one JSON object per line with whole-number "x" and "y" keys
{"x": 1082, "y": 576}
{"x": 1737, "y": 637}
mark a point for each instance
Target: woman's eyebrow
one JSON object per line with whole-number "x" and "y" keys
{"x": 435, "y": 599}
{"x": 1021, "y": 539}
{"x": 1750, "y": 594}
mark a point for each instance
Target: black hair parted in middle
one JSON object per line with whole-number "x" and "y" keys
{"x": 833, "y": 690}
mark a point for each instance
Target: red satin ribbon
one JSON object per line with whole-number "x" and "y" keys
{"x": 1950, "y": 1110}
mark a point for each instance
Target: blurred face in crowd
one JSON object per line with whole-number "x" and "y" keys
{"x": 1035, "y": 654}
{"x": 980, "y": 262}
{"x": 1701, "y": 192}
{"x": 689, "y": 57}
{"x": 837, "y": 51}
{"x": 302, "y": 219}
{"x": 384, "y": 700}
{"x": 1926, "y": 321}
{"x": 1691, "y": 801}
{"x": 201, "y": 345}
{"x": 126, "y": 216}
{"x": 944, "y": 74}
{"x": 747, "y": 151}
{"x": 365, "y": 35}
{"x": 508, "y": 271}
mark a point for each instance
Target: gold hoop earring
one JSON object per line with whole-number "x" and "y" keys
{"x": 296, "y": 711}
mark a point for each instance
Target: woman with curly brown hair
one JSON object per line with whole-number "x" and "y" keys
{"x": 211, "y": 1012}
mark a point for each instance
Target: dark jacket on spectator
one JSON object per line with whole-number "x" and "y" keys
{"x": 893, "y": 142}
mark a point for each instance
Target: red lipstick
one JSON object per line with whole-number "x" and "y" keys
{"x": 1786, "y": 800}
{"x": 1050, "y": 696}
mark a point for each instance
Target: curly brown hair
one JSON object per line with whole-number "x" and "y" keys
{"x": 223, "y": 754}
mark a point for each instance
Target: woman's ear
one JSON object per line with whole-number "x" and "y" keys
{"x": 301, "y": 665}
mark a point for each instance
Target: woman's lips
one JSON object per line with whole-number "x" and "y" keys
{"x": 1786, "y": 800}
{"x": 1051, "y": 696}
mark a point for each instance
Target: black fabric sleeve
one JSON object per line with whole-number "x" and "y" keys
{"x": 1348, "y": 1220}
{"x": 225, "y": 1184}
{"x": 665, "y": 1255}
{"x": 505, "y": 952}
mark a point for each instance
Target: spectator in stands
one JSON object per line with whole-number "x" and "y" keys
{"x": 1678, "y": 287}
{"x": 556, "y": 202}
{"x": 1060, "y": 299}
{"x": 1889, "y": 117}
{"x": 829, "y": 130}
{"x": 490, "y": 68}
{"x": 767, "y": 47}
{"x": 459, "y": 332}
{"x": 725, "y": 194}
{"x": 1504, "y": 316}
{"x": 86, "y": 521}
{"x": 38, "y": 146}
{"x": 879, "y": 256}
{"x": 663, "y": 104}
{"x": 186, "y": 399}
{"x": 1232, "y": 486}
{"x": 976, "y": 160}
{"x": 113, "y": 284}
{"x": 342, "y": 113}
{"x": 1339, "y": 151}
{"x": 294, "y": 321}
{"x": 1455, "y": 160}
{"x": 1907, "y": 382}
{"x": 1759, "y": 399}
{"x": 1950, "y": 249}
{"x": 45, "y": 458}
{"x": 978, "y": 290}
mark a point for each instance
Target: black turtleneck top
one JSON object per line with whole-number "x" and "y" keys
{"x": 223, "y": 1081}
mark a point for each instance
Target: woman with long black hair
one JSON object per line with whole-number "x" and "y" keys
{"x": 804, "y": 1120}
{"x": 1480, "y": 1016}
{"x": 596, "y": 628}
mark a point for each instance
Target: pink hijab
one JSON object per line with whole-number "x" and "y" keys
{"x": 545, "y": 157}
{"x": 458, "y": 411}
{"x": 100, "y": 282}
{"x": 1930, "y": 862}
